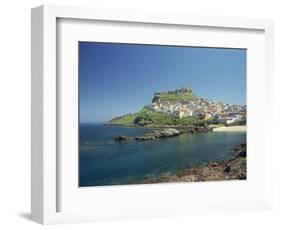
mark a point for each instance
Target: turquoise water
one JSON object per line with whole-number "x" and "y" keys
{"x": 104, "y": 161}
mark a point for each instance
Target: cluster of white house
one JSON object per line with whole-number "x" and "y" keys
{"x": 202, "y": 108}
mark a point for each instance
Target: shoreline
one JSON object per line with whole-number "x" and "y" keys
{"x": 151, "y": 126}
{"x": 240, "y": 128}
{"x": 234, "y": 168}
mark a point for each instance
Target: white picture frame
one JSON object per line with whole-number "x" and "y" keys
{"x": 46, "y": 172}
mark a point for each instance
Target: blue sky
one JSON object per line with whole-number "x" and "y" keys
{"x": 116, "y": 79}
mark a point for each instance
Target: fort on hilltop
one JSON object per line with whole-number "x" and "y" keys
{"x": 173, "y": 95}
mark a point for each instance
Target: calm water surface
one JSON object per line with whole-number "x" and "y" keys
{"x": 104, "y": 161}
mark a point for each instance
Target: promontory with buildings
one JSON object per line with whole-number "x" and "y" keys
{"x": 182, "y": 107}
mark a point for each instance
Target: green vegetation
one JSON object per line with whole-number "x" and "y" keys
{"x": 145, "y": 117}
{"x": 173, "y": 96}
{"x": 127, "y": 119}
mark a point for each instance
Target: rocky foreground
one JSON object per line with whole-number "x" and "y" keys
{"x": 163, "y": 133}
{"x": 232, "y": 169}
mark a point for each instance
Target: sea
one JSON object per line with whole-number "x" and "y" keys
{"x": 104, "y": 161}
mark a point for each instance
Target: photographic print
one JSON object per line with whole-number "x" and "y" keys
{"x": 161, "y": 114}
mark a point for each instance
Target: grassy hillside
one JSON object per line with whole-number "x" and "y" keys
{"x": 127, "y": 119}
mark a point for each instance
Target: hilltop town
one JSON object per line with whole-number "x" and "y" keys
{"x": 183, "y": 107}
{"x": 165, "y": 102}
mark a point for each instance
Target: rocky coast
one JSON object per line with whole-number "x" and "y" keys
{"x": 169, "y": 132}
{"x": 232, "y": 169}
{"x": 164, "y": 133}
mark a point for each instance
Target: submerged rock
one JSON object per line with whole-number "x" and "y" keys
{"x": 241, "y": 153}
{"x": 122, "y": 138}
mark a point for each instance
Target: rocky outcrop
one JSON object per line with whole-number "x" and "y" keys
{"x": 240, "y": 150}
{"x": 200, "y": 129}
{"x": 165, "y": 132}
{"x": 169, "y": 132}
{"x": 156, "y": 98}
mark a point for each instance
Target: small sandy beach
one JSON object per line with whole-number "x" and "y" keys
{"x": 241, "y": 128}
